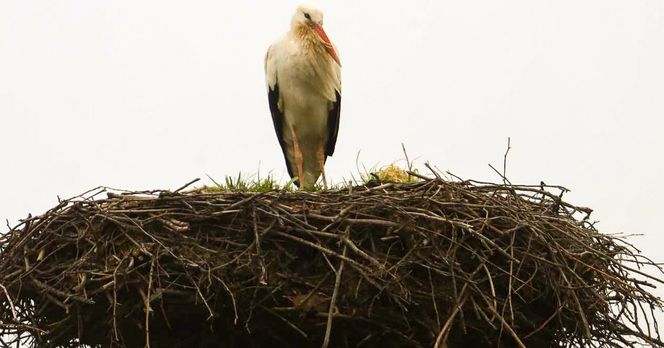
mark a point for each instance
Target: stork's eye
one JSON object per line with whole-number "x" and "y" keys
{"x": 307, "y": 16}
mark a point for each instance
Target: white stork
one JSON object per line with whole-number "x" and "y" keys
{"x": 303, "y": 75}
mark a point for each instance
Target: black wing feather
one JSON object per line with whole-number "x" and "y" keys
{"x": 278, "y": 121}
{"x": 333, "y": 125}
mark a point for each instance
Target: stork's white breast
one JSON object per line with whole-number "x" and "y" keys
{"x": 307, "y": 84}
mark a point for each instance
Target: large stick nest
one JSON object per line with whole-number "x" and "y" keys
{"x": 434, "y": 263}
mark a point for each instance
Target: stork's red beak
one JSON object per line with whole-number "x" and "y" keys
{"x": 326, "y": 41}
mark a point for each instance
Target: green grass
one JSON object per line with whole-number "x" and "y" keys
{"x": 256, "y": 183}
{"x": 251, "y": 183}
{"x": 245, "y": 183}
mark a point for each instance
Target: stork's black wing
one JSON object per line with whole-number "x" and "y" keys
{"x": 333, "y": 125}
{"x": 278, "y": 121}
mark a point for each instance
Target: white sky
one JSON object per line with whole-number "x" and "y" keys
{"x": 150, "y": 94}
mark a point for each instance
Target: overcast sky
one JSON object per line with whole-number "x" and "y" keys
{"x": 151, "y": 94}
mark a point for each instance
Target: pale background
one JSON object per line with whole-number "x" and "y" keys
{"x": 151, "y": 94}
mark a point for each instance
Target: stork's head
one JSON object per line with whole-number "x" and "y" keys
{"x": 308, "y": 19}
{"x": 307, "y": 14}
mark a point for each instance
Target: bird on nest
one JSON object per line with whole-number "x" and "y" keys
{"x": 303, "y": 76}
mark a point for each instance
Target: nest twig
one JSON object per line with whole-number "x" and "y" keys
{"x": 434, "y": 263}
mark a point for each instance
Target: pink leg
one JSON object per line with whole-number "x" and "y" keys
{"x": 321, "y": 161}
{"x": 297, "y": 153}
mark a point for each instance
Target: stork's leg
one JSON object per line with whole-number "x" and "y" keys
{"x": 297, "y": 153}
{"x": 321, "y": 161}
